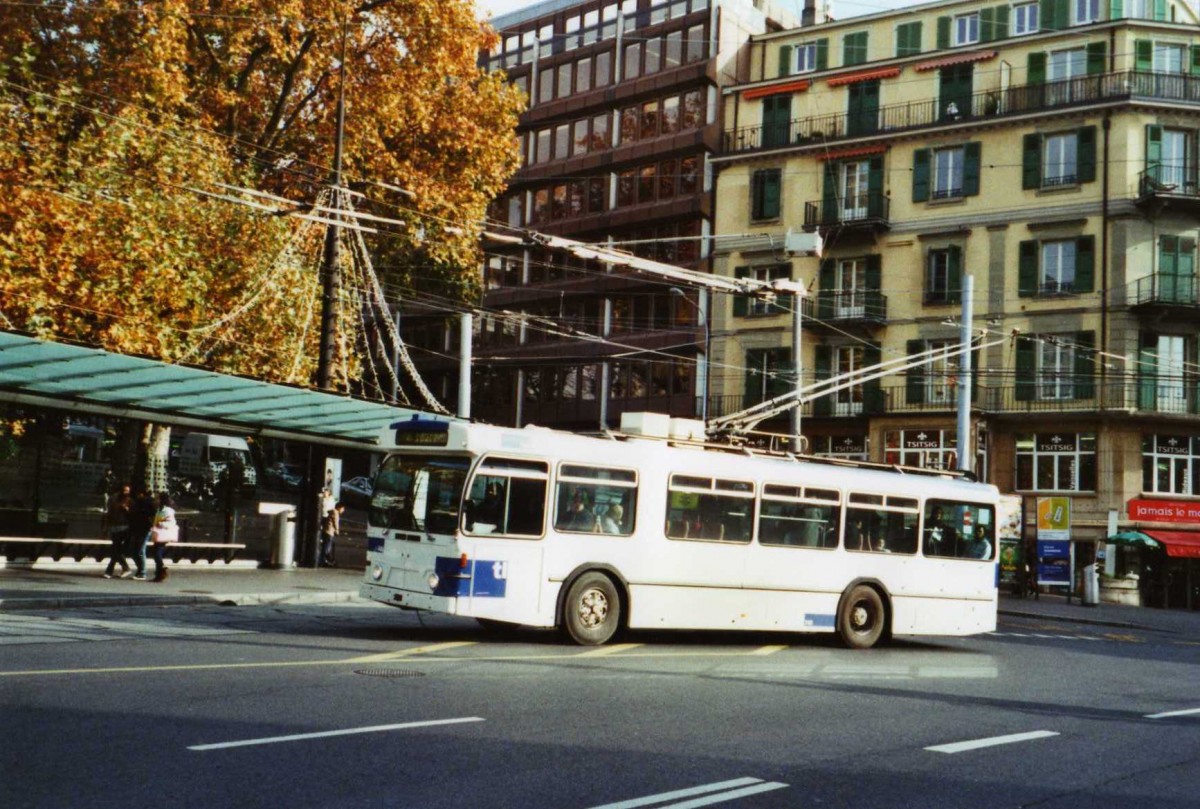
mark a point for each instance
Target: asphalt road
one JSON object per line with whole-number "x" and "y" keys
{"x": 355, "y": 705}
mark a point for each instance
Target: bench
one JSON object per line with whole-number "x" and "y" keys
{"x": 33, "y": 548}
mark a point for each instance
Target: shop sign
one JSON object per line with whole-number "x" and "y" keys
{"x": 848, "y": 444}
{"x": 923, "y": 440}
{"x": 1172, "y": 445}
{"x": 1053, "y": 518}
{"x": 1165, "y": 510}
{"x": 1056, "y": 442}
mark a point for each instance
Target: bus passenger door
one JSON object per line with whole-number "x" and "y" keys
{"x": 503, "y": 526}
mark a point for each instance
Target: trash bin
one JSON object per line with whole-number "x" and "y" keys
{"x": 1091, "y": 586}
{"x": 283, "y": 533}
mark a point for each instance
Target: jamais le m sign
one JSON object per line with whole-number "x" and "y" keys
{"x": 1165, "y": 510}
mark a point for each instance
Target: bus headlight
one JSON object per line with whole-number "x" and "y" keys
{"x": 377, "y": 572}
{"x": 433, "y": 581}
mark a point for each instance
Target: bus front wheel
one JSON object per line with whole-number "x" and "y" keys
{"x": 861, "y": 618}
{"x": 592, "y": 610}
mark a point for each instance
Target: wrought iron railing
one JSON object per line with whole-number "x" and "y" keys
{"x": 1163, "y": 179}
{"x": 869, "y": 209}
{"x": 1161, "y": 288}
{"x": 1026, "y": 98}
{"x": 846, "y": 305}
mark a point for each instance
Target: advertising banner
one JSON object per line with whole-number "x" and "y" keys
{"x": 1183, "y": 511}
{"x": 1053, "y": 518}
{"x": 1054, "y": 562}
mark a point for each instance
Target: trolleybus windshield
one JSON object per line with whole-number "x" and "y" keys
{"x": 418, "y": 493}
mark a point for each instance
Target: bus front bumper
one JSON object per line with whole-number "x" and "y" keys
{"x": 409, "y": 599}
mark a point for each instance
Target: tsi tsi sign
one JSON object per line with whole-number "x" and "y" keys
{"x": 1164, "y": 510}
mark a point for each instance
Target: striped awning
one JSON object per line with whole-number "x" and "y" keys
{"x": 778, "y": 89}
{"x": 956, "y": 59}
{"x": 857, "y": 151}
{"x": 864, "y": 75}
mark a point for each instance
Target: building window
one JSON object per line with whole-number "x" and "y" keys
{"x": 1056, "y": 267}
{"x": 1025, "y": 19}
{"x": 943, "y": 279}
{"x": 747, "y": 305}
{"x": 769, "y": 374}
{"x": 933, "y": 382}
{"x": 926, "y": 449}
{"x": 765, "y": 193}
{"x": 1166, "y": 378}
{"x": 1086, "y": 11}
{"x": 1056, "y": 462}
{"x": 1168, "y": 58}
{"x": 806, "y": 57}
{"x": 603, "y": 69}
{"x": 697, "y": 44}
{"x": 947, "y": 173}
{"x": 562, "y": 141}
{"x": 1170, "y": 464}
{"x": 966, "y": 29}
{"x": 1059, "y": 157}
{"x": 849, "y": 447}
{"x": 1055, "y": 369}
{"x": 854, "y": 48}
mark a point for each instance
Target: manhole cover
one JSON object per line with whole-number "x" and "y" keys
{"x": 390, "y": 672}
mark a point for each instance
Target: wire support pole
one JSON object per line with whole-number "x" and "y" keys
{"x": 331, "y": 281}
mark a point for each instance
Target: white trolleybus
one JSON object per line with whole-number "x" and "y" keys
{"x": 595, "y": 534}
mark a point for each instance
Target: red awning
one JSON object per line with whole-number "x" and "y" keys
{"x": 778, "y": 89}
{"x": 956, "y": 59}
{"x": 865, "y": 75}
{"x": 857, "y": 151}
{"x": 1179, "y": 543}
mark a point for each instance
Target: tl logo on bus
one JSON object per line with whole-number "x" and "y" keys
{"x": 481, "y": 578}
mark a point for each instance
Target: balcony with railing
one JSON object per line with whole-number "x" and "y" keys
{"x": 1165, "y": 293}
{"x": 1167, "y": 186}
{"x": 842, "y": 307}
{"x": 865, "y": 214}
{"x": 989, "y": 104}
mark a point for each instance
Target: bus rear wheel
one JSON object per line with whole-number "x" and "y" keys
{"x": 592, "y": 610}
{"x": 861, "y": 618}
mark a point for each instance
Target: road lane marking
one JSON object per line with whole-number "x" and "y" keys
{"x": 728, "y": 791}
{"x": 768, "y": 650}
{"x": 1188, "y": 712}
{"x": 605, "y": 651}
{"x": 432, "y": 648}
{"x": 976, "y": 744}
{"x": 328, "y": 733}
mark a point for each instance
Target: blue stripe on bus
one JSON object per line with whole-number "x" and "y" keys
{"x": 481, "y": 578}
{"x": 375, "y": 544}
{"x": 815, "y": 619}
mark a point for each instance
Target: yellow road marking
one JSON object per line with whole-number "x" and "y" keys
{"x": 418, "y": 650}
{"x": 768, "y": 650}
{"x": 604, "y": 651}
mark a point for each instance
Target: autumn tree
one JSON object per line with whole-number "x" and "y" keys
{"x": 128, "y": 125}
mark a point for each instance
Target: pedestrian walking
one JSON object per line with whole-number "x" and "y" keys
{"x": 118, "y": 531}
{"x": 164, "y": 532}
{"x": 141, "y": 520}
{"x": 331, "y": 523}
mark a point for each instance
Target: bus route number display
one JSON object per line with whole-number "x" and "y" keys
{"x": 432, "y": 436}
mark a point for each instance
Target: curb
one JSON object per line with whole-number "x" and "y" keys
{"x": 1073, "y": 620}
{"x": 227, "y": 600}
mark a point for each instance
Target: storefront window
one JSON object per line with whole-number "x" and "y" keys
{"x": 1063, "y": 462}
{"x": 850, "y": 447}
{"x": 1170, "y": 464}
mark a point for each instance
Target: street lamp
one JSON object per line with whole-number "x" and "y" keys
{"x": 702, "y": 369}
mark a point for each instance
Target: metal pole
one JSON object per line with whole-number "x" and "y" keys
{"x": 706, "y": 368}
{"x": 464, "y": 365}
{"x": 331, "y": 278}
{"x": 966, "y": 447}
{"x": 797, "y": 345}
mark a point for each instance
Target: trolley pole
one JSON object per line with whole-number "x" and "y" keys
{"x": 797, "y": 345}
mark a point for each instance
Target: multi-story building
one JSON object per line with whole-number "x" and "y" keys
{"x": 1049, "y": 151}
{"x": 623, "y": 119}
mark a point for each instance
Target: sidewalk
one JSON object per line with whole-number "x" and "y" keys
{"x": 1056, "y": 608}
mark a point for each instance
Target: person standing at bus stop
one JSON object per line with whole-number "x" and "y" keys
{"x": 164, "y": 532}
{"x": 141, "y": 520}
{"x": 118, "y": 531}
{"x": 331, "y": 523}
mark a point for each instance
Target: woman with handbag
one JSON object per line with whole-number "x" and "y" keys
{"x": 164, "y": 532}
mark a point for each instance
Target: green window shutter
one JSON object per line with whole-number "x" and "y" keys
{"x": 854, "y": 48}
{"x": 1085, "y": 365}
{"x": 829, "y": 193}
{"x": 822, "y": 53}
{"x": 1097, "y": 57}
{"x": 921, "y": 163}
{"x": 1047, "y": 15}
{"x": 785, "y": 60}
{"x": 1148, "y": 372}
{"x": 1085, "y": 263}
{"x": 777, "y": 119}
{"x": 825, "y": 291}
{"x": 1168, "y": 257}
{"x": 1153, "y": 151}
{"x": 1196, "y": 60}
{"x": 1085, "y": 168}
{"x": 987, "y": 24}
{"x": 1187, "y": 259}
{"x": 1116, "y": 10}
{"x": 874, "y": 273}
{"x": 914, "y": 381}
{"x": 1036, "y": 68}
{"x": 1026, "y": 369}
{"x": 1031, "y": 162}
{"x": 1001, "y": 29}
{"x": 954, "y": 275}
{"x": 875, "y": 186}
{"x": 739, "y": 301}
{"x": 908, "y": 38}
{"x": 771, "y": 194}
{"x": 822, "y": 365}
{"x": 943, "y": 32}
{"x": 1143, "y": 55}
{"x": 1160, "y": 10}
{"x": 1027, "y": 269}
{"x": 972, "y": 156}
{"x": 872, "y": 391}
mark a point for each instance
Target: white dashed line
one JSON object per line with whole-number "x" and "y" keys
{"x": 976, "y": 744}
